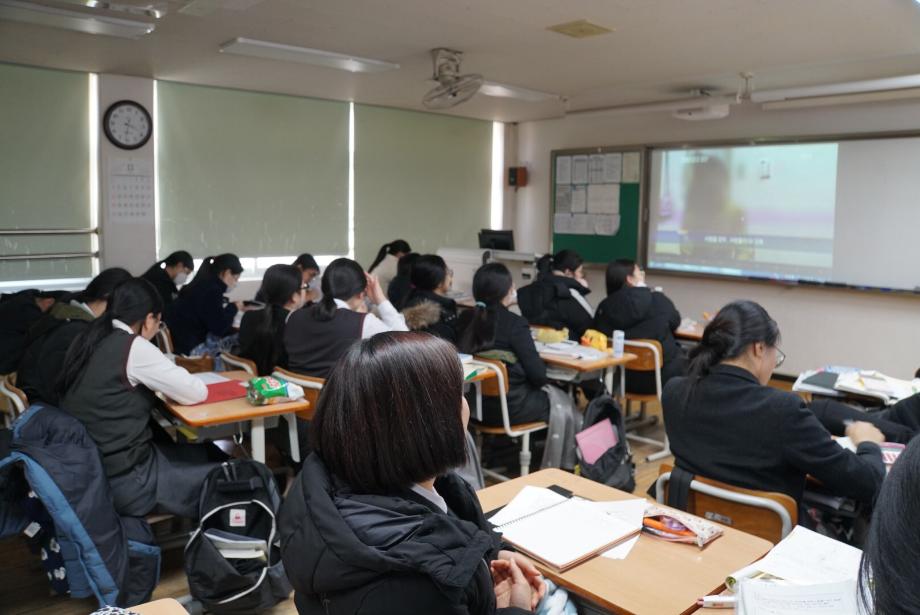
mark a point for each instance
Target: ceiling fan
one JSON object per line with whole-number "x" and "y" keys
{"x": 454, "y": 88}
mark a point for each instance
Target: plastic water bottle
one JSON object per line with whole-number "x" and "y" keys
{"x": 618, "y": 339}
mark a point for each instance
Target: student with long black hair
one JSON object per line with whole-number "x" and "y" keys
{"x": 169, "y": 274}
{"x": 492, "y": 330}
{"x": 725, "y": 423}
{"x": 201, "y": 319}
{"x": 401, "y": 286}
{"x": 407, "y": 534}
{"x": 633, "y": 308}
{"x": 428, "y": 307}
{"x": 51, "y": 336}
{"x": 385, "y": 264}
{"x": 557, "y": 297}
{"x": 889, "y": 582}
{"x": 315, "y": 337}
{"x": 261, "y": 331}
{"x": 109, "y": 382}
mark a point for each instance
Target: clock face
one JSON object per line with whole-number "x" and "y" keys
{"x": 127, "y": 124}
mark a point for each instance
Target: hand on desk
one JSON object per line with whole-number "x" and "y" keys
{"x": 530, "y": 572}
{"x": 511, "y": 586}
{"x": 860, "y": 431}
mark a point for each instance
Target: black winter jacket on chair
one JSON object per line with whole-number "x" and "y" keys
{"x": 356, "y": 554}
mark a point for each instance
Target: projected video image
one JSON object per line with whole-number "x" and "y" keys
{"x": 755, "y": 210}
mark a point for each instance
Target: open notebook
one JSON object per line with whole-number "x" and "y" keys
{"x": 559, "y": 531}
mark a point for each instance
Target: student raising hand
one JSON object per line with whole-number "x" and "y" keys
{"x": 511, "y": 586}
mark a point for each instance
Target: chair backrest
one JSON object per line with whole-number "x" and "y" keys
{"x": 17, "y": 398}
{"x": 312, "y": 387}
{"x": 649, "y": 355}
{"x": 767, "y": 514}
{"x": 163, "y": 339}
{"x": 493, "y": 387}
{"x": 236, "y": 362}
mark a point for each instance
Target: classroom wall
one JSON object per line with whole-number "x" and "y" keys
{"x": 819, "y": 326}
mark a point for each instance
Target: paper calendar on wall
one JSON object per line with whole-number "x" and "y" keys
{"x": 130, "y": 191}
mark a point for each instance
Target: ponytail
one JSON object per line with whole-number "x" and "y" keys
{"x": 544, "y": 265}
{"x": 343, "y": 279}
{"x": 397, "y": 246}
{"x": 478, "y": 326}
{"x": 180, "y": 257}
{"x": 131, "y": 302}
{"x": 737, "y": 325}
{"x": 212, "y": 267}
{"x": 103, "y": 285}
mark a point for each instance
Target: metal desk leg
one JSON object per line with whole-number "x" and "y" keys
{"x": 478, "y": 385}
{"x": 257, "y": 437}
{"x": 292, "y": 436}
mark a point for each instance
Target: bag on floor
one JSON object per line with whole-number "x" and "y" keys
{"x": 233, "y": 559}
{"x": 615, "y": 467}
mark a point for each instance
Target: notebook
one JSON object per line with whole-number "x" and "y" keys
{"x": 557, "y": 531}
{"x": 237, "y": 546}
{"x": 223, "y": 391}
{"x": 596, "y": 440}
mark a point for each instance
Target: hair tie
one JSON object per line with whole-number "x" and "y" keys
{"x": 480, "y": 304}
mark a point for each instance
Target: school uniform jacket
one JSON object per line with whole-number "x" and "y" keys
{"x": 732, "y": 429}
{"x": 551, "y": 301}
{"x": 200, "y": 309}
{"x": 430, "y": 312}
{"x": 164, "y": 284}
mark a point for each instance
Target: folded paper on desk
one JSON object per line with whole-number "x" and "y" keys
{"x": 557, "y": 531}
{"x": 757, "y": 597}
{"x": 876, "y": 385}
{"x": 804, "y": 557}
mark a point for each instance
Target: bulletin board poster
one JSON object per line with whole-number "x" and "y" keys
{"x": 596, "y": 198}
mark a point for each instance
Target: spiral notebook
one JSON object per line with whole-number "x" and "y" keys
{"x": 559, "y": 531}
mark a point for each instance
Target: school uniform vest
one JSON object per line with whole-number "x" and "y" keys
{"x": 115, "y": 413}
{"x": 313, "y": 346}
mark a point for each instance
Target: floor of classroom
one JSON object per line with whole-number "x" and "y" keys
{"x": 25, "y": 589}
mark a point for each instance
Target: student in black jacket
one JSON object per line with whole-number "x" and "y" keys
{"x": 726, "y": 424}
{"x": 428, "y": 307}
{"x": 633, "y": 308}
{"x": 169, "y": 274}
{"x": 401, "y": 286}
{"x": 492, "y": 330}
{"x": 377, "y": 523}
{"x": 18, "y": 313}
{"x": 262, "y": 331}
{"x": 201, "y": 317}
{"x": 557, "y": 298}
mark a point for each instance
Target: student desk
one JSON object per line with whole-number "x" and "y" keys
{"x": 239, "y": 410}
{"x": 585, "y": 366}
{"x": 690, "y": 333}
{"x": 657, "y": 577}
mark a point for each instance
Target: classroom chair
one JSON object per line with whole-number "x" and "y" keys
{"x": 194, "y": 365}
{"x": 648, "y": 359}
{"x": 766, "y": 514}
{"x": 16, "y": 399}
{"x": 497, "y": 387}
{"x": 232, "y": 362}
{"x": 312, "y": 387}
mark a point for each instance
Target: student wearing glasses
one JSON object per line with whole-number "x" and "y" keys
{"x": 725, "y": 423}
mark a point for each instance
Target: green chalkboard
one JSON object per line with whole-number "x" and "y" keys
{"x": 594, "y": 247}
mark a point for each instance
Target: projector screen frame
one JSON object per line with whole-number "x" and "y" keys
{"x": 645, "y": 229}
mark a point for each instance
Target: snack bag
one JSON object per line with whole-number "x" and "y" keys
{"x": 594, "y": 339}
{"x": 551, "y": 336}
{"x": 267, "y": 390}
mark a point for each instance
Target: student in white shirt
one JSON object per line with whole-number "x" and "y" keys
{"x": 385, "y": 265}
{"x": 315, "y": 337}
{"x": 112, "y": 373}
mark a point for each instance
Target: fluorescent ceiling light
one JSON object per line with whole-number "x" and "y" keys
{"x": 41, "y": 15}
{"x": 842, "y": 99}
{"x": 317, "y": 57}
{"x": 504, "y": 90}
{"x": 836, "y": 89}
{"x": 683, "y": 104}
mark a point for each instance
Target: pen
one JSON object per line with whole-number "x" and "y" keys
{"x": 716, "y": 602}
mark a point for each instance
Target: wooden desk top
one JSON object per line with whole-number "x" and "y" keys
{"x": 587, "y": 365}
{"x": 232, "y": 410}
{"x": 657, "y": 577}
{"x": 693, "y": 333}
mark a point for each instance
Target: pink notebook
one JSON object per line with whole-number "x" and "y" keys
{"x": 595, "y": 440}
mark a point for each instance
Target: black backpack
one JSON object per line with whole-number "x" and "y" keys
{"x": 239, "y": 503}
{"x": 615, "y": 468}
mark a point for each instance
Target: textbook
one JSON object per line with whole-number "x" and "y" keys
{"x": 876, "y": 385}
{"x": 559, "y": 531}
{"x": 758, "y": 597}
{"x": 236, "y": 546}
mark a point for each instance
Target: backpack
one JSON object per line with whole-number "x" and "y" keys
{"x": 615, "y": 468}
{"x": 238, "y": 518}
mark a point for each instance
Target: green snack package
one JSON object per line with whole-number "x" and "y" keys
{"x": 265, "y": 390}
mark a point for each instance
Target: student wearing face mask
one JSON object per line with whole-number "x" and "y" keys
{"x": 169, "y": 274}
{"x": 200, "y": 320}
{"x": 493, "y": 331}
{"x": 315, "y": 337}
{"x": 725, "y": 423}
{"x": 261, "y": 331}
{"x": 557, "y": 298}
{"x": 633, "y": 308}
{"x": 109, "y": 382}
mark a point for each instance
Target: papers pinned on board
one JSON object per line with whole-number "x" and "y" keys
{"x": 587, "y": 192}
